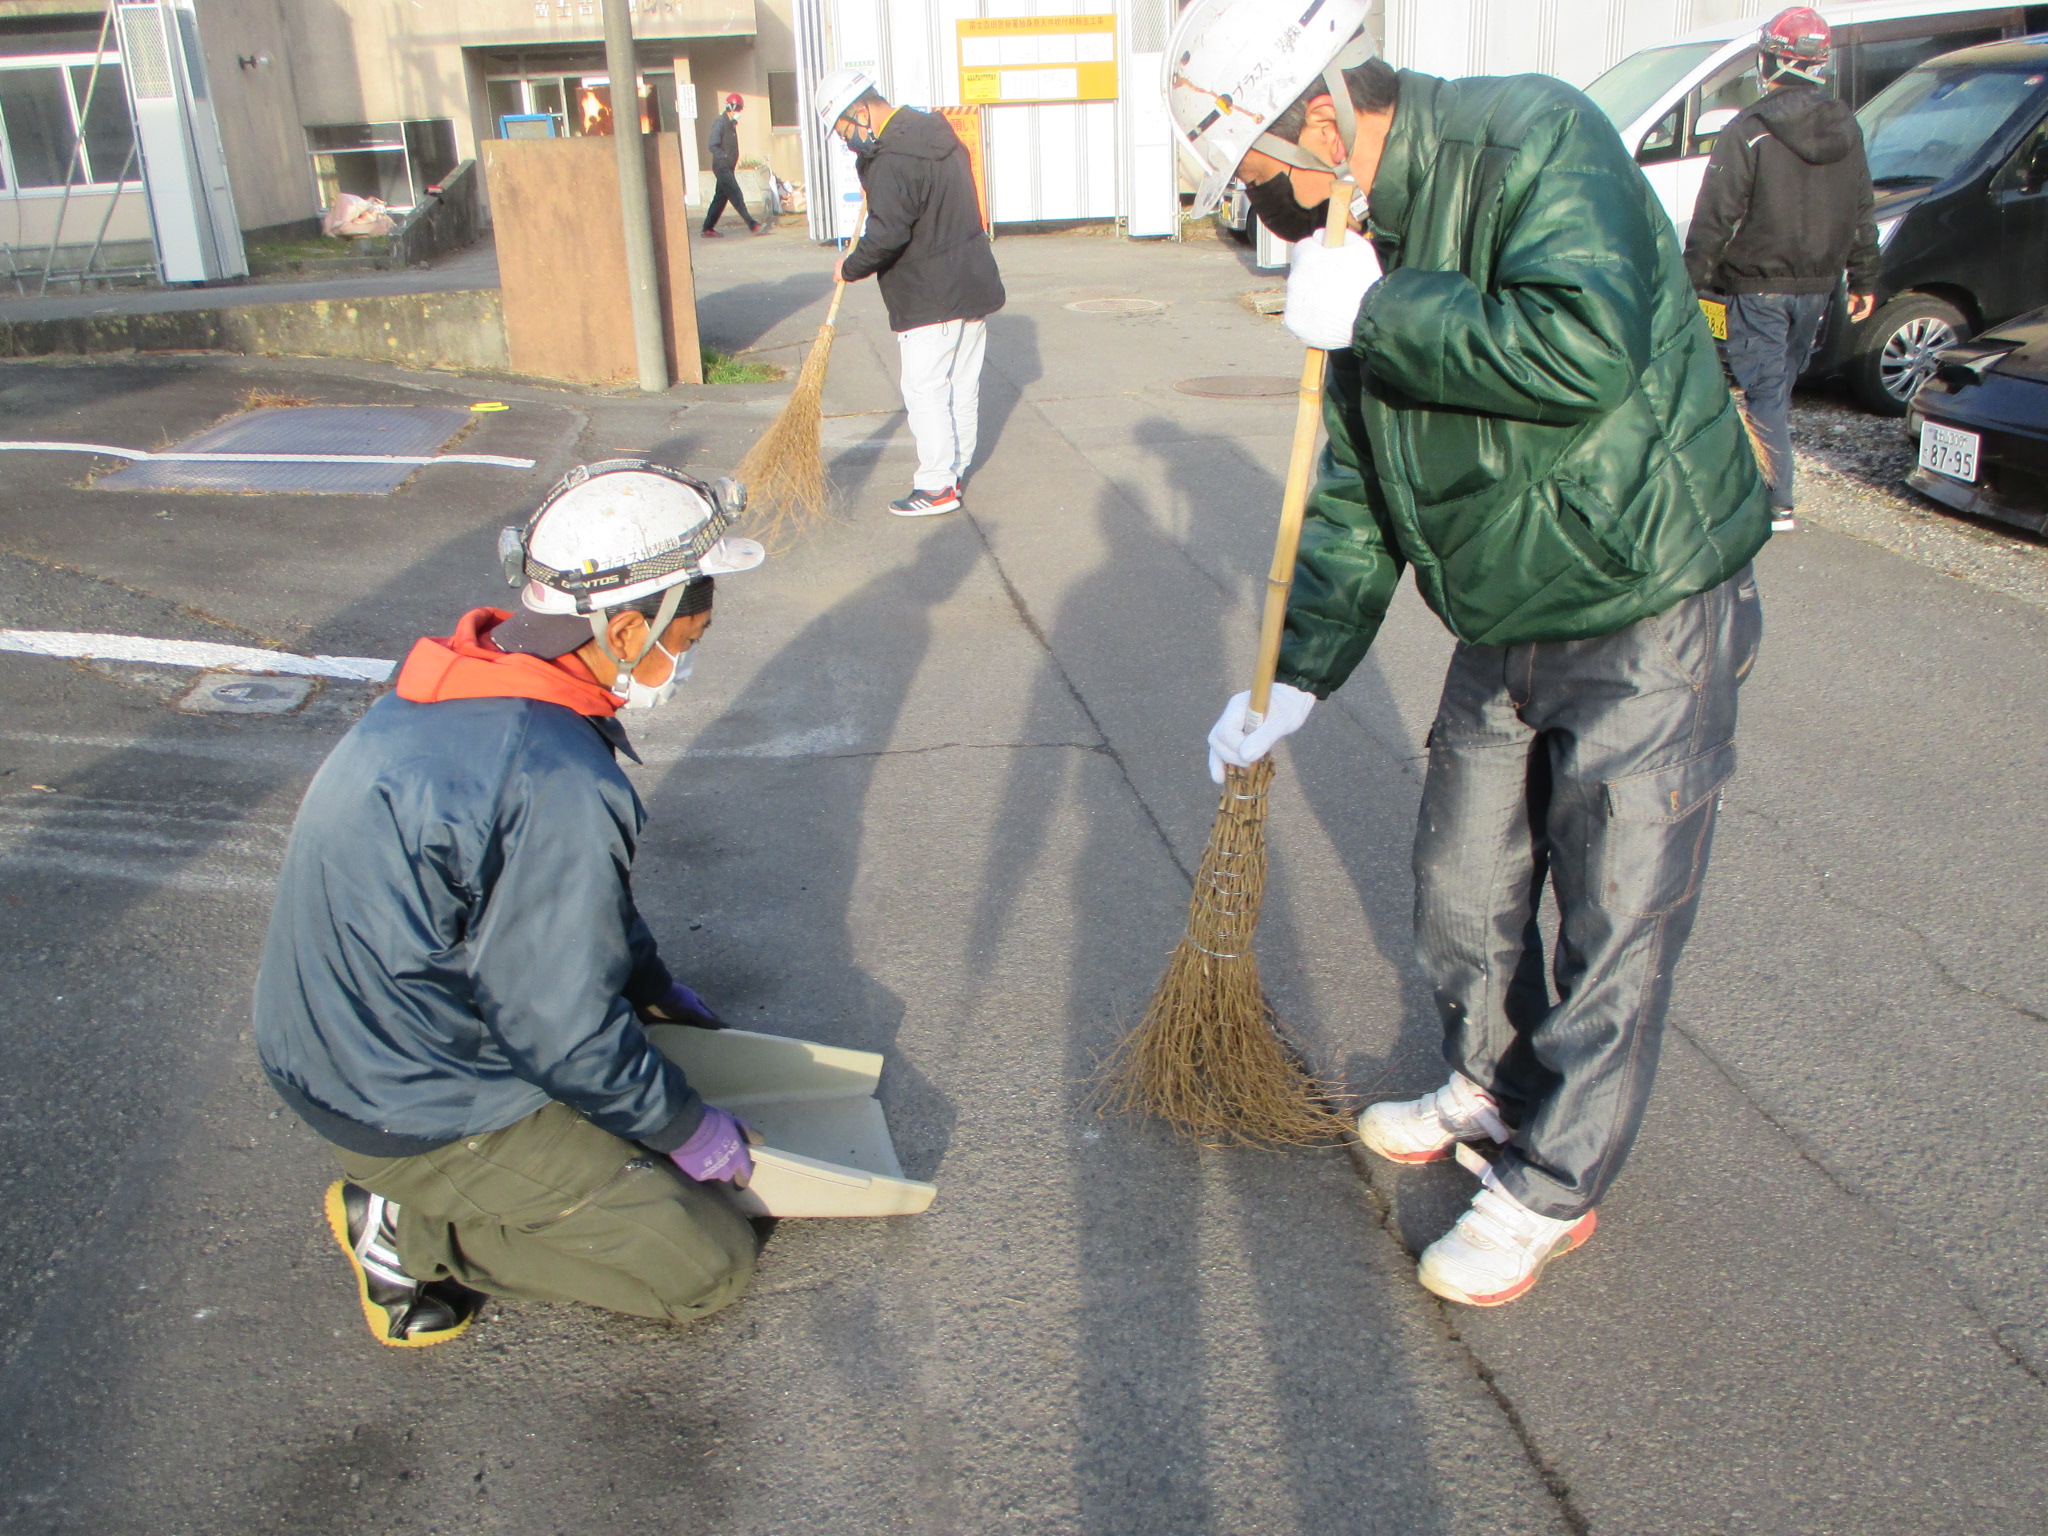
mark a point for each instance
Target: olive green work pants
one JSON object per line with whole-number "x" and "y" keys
{"x": 553, "y": 1209}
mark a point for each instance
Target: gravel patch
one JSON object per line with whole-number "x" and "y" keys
{"x": 1852, "y": 470}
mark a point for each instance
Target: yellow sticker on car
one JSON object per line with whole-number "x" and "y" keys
{"x": 1717, "y": 317}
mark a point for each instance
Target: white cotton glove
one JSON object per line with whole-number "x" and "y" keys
{"x": 1233, "y": 742}
{"x": 1325, "y": 288}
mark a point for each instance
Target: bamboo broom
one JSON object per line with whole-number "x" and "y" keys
{"x": 784, "y": 472}
{"x": 1207, "y": 1058}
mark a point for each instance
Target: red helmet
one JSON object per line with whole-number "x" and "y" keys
{"x": 734, "y": 103}
{"x": 1800, "y": 33}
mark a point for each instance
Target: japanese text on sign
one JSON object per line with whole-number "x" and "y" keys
{"x": 1006, "y": 60}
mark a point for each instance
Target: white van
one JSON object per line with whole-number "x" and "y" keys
{"x": 1670, "y": 101}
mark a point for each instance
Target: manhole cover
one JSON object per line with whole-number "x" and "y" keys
{"x": 1238, "y": 386}
{"x": 1117, "y": 306}
{"x": 237, "y": 693}
{"x": 397, "y": 430}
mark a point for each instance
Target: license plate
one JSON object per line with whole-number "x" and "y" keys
{"x": 1717, "y": 317}
{"x": 1949, "y": 452}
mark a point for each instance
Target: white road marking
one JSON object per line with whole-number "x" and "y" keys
{"x": 192, "y": 653}
{"x": 270, "y": 458}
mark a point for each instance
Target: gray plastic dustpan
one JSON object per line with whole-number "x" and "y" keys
{"x": 828, "y": 1151}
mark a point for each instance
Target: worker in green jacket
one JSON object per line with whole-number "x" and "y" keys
{"x": 1524, "y": 406}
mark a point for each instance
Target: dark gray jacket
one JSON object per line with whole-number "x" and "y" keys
{"x": 1786, "y": 203}
{"x": 455, "y": 942}
{"x": 725, "y": 145}
{"x": 924, "y": 235}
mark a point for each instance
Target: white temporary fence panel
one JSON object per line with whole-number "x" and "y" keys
{"x": 1576, "y": 40}
{"x": 184, "y": 169}
{"x": 1066, "y": 160}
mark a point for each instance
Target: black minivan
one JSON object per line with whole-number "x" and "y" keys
{"x": 1958, "y": 151}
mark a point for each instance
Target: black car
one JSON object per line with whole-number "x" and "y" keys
{"x": 1982, "y": 425}
{"x": 1958, "y": 152}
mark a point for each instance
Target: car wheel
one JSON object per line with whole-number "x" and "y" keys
{"x": 1896, "y": 353}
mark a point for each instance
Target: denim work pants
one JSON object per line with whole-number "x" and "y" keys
{"x": 942, "y": 397}
{"x": 1770, "y": 341}
{"x": 1599, "y": 764}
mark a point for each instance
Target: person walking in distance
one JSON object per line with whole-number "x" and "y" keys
{"x": 1526, "y": 408}
{"x": 455, "y": 974}
{"x": 926, "y": 247}
{"x": 1785, "y": 208}
{"x": 725, "y": 167}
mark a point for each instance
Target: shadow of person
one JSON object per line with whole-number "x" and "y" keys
{"x": 735, "y": 319}
{"x": 1175, "y": 1247}
{"x": 780, "y": 782}
{"x": 1011, "y": 366}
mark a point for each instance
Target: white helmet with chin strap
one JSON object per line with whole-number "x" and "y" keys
{"x": 1232, "y": 66}
{"x": 836, "y": 94}
{"x": 614, "y": 532}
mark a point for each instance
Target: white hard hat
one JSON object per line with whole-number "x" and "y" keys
{"x": 1232, "y": 66}
{"x": 613, "y": 532}
{"x": 838, "y": 91}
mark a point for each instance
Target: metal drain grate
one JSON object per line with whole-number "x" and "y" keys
{"x": 1238, "y": 386}
{"x": 1117, "y": 307}
{"x": 398, "y": 430}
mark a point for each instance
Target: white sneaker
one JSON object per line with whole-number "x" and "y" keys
{"x": 1423, "y": 1130}
{"x": 1498, "y": 1249}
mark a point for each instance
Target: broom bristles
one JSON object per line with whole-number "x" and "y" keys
{"x": 784, "y": 472}
{"x": 1207, "y": 1058}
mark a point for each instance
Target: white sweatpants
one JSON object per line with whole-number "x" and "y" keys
{"x": 942, "y": 394}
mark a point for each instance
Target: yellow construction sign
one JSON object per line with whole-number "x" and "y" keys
{"x": 1010, "y": 60}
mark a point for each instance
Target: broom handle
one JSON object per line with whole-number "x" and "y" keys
{"x": 839, "y": 288}
{"x": 1308, "y": 417}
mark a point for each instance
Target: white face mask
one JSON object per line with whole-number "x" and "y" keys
{"x": 639, "y": 695}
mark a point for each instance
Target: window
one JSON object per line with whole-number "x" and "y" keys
{"x": 42, "y": 103}
{"x": 1661, "y": 143}
{"x": 1735, "y": 86}
{"x": 781, "y": 99}
{"x": 393, "y": 161}
{"x": 1930, "y": 122}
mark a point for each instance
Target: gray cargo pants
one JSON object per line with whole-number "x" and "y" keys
{"x": 553, "y": 1209}
{"x": 1599, "y": 764}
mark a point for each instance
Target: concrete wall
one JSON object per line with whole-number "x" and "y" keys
{"x": 365, "y": 61}
{"x": 258, "y": 108}
{"x": 463, "y": 331}
{"x": 29, "y": 222}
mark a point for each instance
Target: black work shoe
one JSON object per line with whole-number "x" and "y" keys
{"x": 927, "y": 503}
{"x": 402, "y": 1312}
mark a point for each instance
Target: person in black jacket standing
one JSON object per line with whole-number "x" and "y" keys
{"x": 1784, "y": 209}
{"x": 725, "y": 165}
{"x": 925, "y": 243}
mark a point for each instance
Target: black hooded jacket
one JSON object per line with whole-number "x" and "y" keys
{"x": 1785, "y": 206}
{"x": 923, "y": 234}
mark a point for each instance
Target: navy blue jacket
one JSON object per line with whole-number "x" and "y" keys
{"x": 454, "y": 941}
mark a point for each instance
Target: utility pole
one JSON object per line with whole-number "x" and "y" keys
{"x": 622, "y": 69}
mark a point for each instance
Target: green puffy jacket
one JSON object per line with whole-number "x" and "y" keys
{"x": 1532, "y": 413}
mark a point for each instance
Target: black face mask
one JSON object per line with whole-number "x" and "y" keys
{"x": 1274, "y": 203}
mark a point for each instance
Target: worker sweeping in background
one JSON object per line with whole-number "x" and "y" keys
{"x": 455, "y": 973}
{"x": 1528, "y": 409}
{"x": 725, "y": 171}
{"x": 1784, "y": 210}
{"x": 924, "y": 241}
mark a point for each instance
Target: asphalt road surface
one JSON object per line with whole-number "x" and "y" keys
{"x": 934, "y": 791}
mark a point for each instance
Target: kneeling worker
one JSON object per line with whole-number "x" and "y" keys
{"x": 455, "y": 975}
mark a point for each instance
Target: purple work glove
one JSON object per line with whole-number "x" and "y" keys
{"x": 679, "y": 1005}
{"x": 717, "y": 1150}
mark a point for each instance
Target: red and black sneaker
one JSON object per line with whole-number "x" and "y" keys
{"x": 927, "y": 503}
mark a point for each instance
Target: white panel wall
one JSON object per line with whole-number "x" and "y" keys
{"x": 1576, "y": 40}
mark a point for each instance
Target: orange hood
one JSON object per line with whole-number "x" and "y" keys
{"x": 466, "y": 665}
